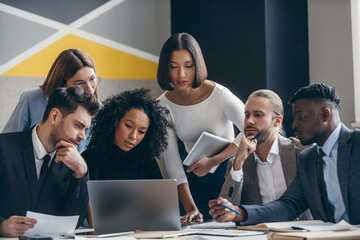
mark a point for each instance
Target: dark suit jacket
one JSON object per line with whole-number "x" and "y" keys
{"x": 248, "y": 190}
{"x": 304, "y": 190}
{"x": 62, "y": 193}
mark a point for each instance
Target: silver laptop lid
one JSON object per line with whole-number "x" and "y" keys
{"x": 128, "y": 205}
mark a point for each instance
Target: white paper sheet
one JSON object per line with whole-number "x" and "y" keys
{"x": 342, "y": 225}
{"x": 213, "y": 225}
{"x": 50, "y": 224}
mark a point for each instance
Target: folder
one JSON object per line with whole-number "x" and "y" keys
{"x": 207, "y": 145}
{"x": 324, "y": 235}
{"x": 187, "y": 232}
{"x": 280, "y": 226}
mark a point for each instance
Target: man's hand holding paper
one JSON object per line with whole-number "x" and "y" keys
{"x": 16, "y": 226}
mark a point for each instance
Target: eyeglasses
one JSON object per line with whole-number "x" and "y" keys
{"x": 94, "y": 82}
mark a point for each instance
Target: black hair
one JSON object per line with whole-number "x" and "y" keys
{"x": 180, "y": 41}
{"x": 115, "y": 107}
{"x": 316, "y": 92}
{"x": 67, "y": 101}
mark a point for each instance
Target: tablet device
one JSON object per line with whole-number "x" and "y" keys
{"x": 208, "y": 145}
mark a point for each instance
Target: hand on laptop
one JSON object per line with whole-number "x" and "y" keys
{"x": 193, "y": 216}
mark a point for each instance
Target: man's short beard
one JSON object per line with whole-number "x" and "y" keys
{"x": 265, "y": 134}
{"x": 57, "y": 133}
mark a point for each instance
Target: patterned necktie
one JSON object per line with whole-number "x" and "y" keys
{"x": 324, "y": 197}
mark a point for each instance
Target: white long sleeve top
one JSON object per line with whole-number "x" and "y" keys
{"x": 216, "y": 114}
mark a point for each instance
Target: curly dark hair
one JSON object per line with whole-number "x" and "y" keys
{"x": 115, "y": 107}
{"x": 317, "y": 91}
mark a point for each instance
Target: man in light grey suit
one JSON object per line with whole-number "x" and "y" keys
{"x": 265, "y": 167}
{"x": 328, "y": 177}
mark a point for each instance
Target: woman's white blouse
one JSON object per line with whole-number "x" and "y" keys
{"x": 216, "y": 114}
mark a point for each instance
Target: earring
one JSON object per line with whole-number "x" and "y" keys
{"x": 171, "y": 85}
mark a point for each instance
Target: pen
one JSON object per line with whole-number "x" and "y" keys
{"x": 256, "y": 136}
{"x": 221, "y": 204}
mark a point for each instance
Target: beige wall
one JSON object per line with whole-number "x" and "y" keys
{"x": 330, "y": 50}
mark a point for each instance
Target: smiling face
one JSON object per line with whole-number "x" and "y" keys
{"x": 70, "y": 128}
{"x": 308, "y": 125}
{"x": 131, "y": 129}
{"x": 182, "y": 69}
{"x": 259, "y": 117}
{"x": 84, "y": 78}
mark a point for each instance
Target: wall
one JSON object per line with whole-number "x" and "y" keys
{"x": 123, "y": 36}
{"x": 248, "y": 45}
{"x": 330, "y": 50}
{"x": 243, "y": 48}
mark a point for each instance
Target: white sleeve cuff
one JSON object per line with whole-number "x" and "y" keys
{"x": 238, "y": 138}
{"x": 236, "y": 175}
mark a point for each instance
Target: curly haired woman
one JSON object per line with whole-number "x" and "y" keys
{"x": 128, "y": 133}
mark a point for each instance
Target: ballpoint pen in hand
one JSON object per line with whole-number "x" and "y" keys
{"x": 231, "y": 209}
{"x": 256, "y": 136}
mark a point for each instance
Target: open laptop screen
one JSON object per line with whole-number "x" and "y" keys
{"x": 128, "y": 205}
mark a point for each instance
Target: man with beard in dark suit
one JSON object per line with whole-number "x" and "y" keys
{"x": 41, "y": 169}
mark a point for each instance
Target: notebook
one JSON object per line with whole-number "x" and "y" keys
{"x": 207, "y": 145}
{"x": 128, "y": 205}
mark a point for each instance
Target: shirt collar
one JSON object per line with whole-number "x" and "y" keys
{"x": 39, "y": 149}
{"x": 273, "y": 153}
{"x": 330, "y": 141}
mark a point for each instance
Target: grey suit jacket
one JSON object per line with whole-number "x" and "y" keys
{"x": 248, "y": 191}
{"x": 304, "y": 191}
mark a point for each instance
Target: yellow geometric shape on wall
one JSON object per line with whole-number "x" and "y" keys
{"x": 110, "y": 63}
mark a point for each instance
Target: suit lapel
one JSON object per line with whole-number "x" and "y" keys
{"x": 288, "y": 159}
{"x": 343, "y": 159}
{"x": 29, "y": 164}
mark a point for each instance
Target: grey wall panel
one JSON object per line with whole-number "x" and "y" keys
{"x": 144, "y": 25}
{"x": 12, "y": 87}
{"x": 64, "y": 11}
{"x": 110, "y": 87}
{"x": 17, "y": 35}
{"x": 10, "y": 90}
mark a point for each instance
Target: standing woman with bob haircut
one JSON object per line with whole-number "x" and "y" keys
{"x": 196, "y": 105}
{"x": 72, "y": 68}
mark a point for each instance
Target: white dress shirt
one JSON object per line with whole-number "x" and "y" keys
{"x": 270, "y": 174}
{"x": 39, "y": 151}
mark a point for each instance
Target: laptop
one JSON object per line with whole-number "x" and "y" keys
{"x": 129, "y": 205}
